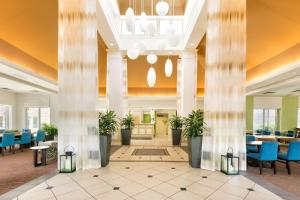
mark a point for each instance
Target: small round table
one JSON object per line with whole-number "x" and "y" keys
{"x": 42, "y": 161}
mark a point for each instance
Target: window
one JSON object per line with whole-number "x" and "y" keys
{"x": 36, "y": 117}
{"x": 298, "y": 124}
{"x": 266, "y": 119}
{"x": 4, "y": 117}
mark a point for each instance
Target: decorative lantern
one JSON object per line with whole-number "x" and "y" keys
{"x": 67, "y": 161}
{"x": 230, "y": 163}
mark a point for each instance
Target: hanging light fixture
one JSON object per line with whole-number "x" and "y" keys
{"x": 168, "y": 67}
{"x": 162, "y": 8}
{"x": 133, "y": 53}
{"x": 143, "y": 22}
{"x": 151, "y": 77}
{"x": 130, "y": 19}
{"x": 151, "y": 59}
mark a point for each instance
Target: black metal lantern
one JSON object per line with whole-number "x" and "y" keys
{"x": 230, "y": 164}
{"x": 67, "y": 161}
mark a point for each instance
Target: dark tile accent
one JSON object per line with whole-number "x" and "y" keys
{"x": 183, "y": 189}
{"x": 95, "y": 175}
{"x": 250, "y": 189}
{"x": 173, "y": 168}
{"x": 150, "y": 176}
{"x": 204, "y": 176}
{"x": 49, "y": 187}
{"x": 116, "y": 188}
{"x": 127, "y": 167}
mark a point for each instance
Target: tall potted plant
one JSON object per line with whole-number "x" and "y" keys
{"x": 176, "y": 123}
{"x": 194, "y": 128}
{"x": 108, "y": 125}
{"x": 127, "y": 124}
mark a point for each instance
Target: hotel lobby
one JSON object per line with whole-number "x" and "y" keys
{"x": 150, "y": 99}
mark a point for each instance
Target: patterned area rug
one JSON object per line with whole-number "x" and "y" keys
{"x": 150, "y": 152}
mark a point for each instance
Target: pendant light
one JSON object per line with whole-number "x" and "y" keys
{"x": 168, "y": 67}
{"x": 143, "y": 22}
{"x": 151, "y": 59}
{"x": 151, "y": 77}
{"x": 130, "y": 19}
{"x": 162, "y": 8}
{"x": 133, "y": 52}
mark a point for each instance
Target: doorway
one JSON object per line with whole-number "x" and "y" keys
{"x": 162, "y": 125}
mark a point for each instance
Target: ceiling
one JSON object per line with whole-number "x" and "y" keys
{"x": 273, "y": 29}
{"x": 179, "y": 6}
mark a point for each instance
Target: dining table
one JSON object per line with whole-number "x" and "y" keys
{"x": 259, "y": 143}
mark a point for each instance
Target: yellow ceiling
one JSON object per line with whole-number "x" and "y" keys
{"x": 273, "y": 35}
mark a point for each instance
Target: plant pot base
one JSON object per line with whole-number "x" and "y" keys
{"x": 176, "y": 136}
{"x": 195, "y": 151}
{"x": 126, "y": 136}
{"x": 105, "y": 144}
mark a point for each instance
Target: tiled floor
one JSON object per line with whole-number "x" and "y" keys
{"x": 147, "y": 181}
{"x": 176, "y": 154}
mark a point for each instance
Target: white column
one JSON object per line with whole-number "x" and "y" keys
{"x": 78, "y": 81}
{"x": 187, "y": 83}
{"x": 115, "y": 83}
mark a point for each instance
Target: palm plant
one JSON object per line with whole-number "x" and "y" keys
{"x": 194, "y": 124}
{"x": 176, "y": 122}
{"x": 108, "y": 123}
{"x": 128, "y": 122}
{"x": 50, "y": 129}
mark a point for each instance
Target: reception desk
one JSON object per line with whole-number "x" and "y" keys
{"x": 143, "y": 130}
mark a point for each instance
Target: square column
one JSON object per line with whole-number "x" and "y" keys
{"x": 186, "y": 83}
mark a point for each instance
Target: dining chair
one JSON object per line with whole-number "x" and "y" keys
{"x": 293, "y": 154}
{"x": 40, "y": 136}
{"x": 268, "y": 152}
{"x": 26, "y": 130}
{"x": 250, "y": 148}
{"x": 25, "y": 139}
{"x": 8, "y": 140}
{"x": 277, "y": 133}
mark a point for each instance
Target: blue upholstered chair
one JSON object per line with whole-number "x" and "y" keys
{"x": 26, "y": 130}
{"x": 290, "y": 134}
{"x": 8, "y": 140}
{"x": 253, "y": 149}
{"x": 277, "y": 133}
{"x": 25, "y": 139}
{"x": 40, "y": 136}
{"x": 293, "y": 154}
{"x": 268, "y": 152}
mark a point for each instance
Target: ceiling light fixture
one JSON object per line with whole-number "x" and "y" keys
{"x": 162, "y": 8}
{"x": 133, "y": 53}
{"x": 151, "y": 59}
{"x": 168, "y": 67}
{"x": 151, "y": 77}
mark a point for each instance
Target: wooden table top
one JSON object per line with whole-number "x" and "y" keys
{"x": 39, "y": 147}
{"x": 259, "y": 143}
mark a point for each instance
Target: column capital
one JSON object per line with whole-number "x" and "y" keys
{"x": 188, "y": 53}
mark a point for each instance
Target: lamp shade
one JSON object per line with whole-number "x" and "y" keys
{"x": 162, "y": 8}
{"x": 133, "y": 53}
{"x": 151, "y": 77}
{"x": 129, "y": 20}
{"x": 151, "y": 59}
{"x": 143, "y": 22}
{"x": 168, "y": 67}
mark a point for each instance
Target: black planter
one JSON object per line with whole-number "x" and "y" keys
{"x": 49, "y": 137}
{"x": 195, "y": 151}
{"x": 176, "y": 136}
{"x": 126, "y": 136}
{"x": 105, "y": 144}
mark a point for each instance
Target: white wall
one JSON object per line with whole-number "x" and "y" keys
{"x": 10, "y": 99}
{"x": 35, "y": 100}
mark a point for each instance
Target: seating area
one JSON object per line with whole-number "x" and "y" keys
{"x": 268, "y": 152}
{"x": 9, "y": 139}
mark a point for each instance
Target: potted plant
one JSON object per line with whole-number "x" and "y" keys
{"x": 194, "y": 128}
{"x": 107, "y": 126}
{"x": 51, "y": 131}
{"x": 127, "y": 123}
{"x": 176, "y": 123}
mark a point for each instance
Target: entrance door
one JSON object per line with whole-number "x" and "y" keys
{"x": 162, "y": 124}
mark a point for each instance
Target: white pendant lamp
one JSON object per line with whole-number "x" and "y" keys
{"x": 151, "y": 59}
{"x": 151, "y": 77}
{"x": 143, "y": 22}
{"x": 162, "y": 8}
{"x": 130, "y": 20}
{"x": 168, "y": 67}
{"x": 133, "y": 53}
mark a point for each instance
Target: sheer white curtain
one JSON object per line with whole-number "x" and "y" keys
{"x": 225, "y": 75}
{"x": 78, "y": 81}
